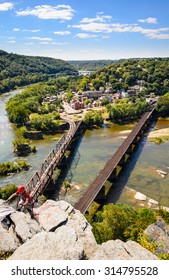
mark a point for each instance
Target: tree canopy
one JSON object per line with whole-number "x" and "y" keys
{"x": 20, "y": 70}
{"x": 151, "y": 73}
{"x": 163, "y": 105}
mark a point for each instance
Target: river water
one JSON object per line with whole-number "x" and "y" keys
{"x": 93, "y": 150}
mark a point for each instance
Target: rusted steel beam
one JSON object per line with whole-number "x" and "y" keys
{"x": 95, "y": 187}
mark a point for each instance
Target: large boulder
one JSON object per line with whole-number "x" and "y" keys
{"x": 60, "y": 245}
{"x": 119, "y": 250}
{"x": 50, "y": 216}
{"x": 61, "y": 232}
{"x": 159, "y": 233}
{"x": 25, "y": 226}
{"x": 65, "y": 234}
{"x": 8, "y": 240}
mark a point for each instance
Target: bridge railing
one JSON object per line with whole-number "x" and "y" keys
{"x": 40, "y": 179}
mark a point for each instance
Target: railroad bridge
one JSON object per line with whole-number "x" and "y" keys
{"x": 109, "y": 172}
{"x": 40, "y": 180}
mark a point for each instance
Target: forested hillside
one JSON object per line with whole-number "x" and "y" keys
{"x": 91, "y": 65}
{"x": 151, "y": 73}
{"x": 19, "y": 70}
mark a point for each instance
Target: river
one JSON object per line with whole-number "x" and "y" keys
{"x": 94, "y": 148}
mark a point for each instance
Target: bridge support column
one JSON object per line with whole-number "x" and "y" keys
{"x": 113, "y": 175}
{"x": 130, "y": 150}
{"x": 63, "y": 161}
{"x": 102, "y": 194}
{"x": 123, "y": 160}
{"x": 136, "y": 139}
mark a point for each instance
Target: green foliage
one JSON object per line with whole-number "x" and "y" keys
{"x": 47, "y": 123}
{"x": 90, "y": 65}
{"x": 93, "y": 118}
{"x": 21, "y": 146}
{"x": 105, "y": 102}
{"x": 144, "y": 241}
{"x": 17, "y": 114}
{"x": 67, "y": 184}
{"x": 29, "y": 109}
{"x": 163, "y": 256}
{"x": 69, "y": 96}
{"x": 41, "y": 199}
{"x": 124, "y": 110}
{"x": 143, "y": 217}
{"x": 157, "y": 140}
{"x": 5, "y": 255}
{"x": 123, "y": 74}
{"x": 112, "y": 222}
{"x": 163, "y": 214}
{"x": 163, "y": 105}
{"x": 13, "y": 167}
{"x": 20, "y": 70}
{"x": 7, "y": 191}
{"x": 121, "y": 222}
{"x": 33, "y": 149}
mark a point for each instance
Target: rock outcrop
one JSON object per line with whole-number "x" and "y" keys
{"x": 61, "y": 232}
{"x": 159, "y": 233}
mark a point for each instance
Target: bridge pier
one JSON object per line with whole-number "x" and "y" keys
{"x": 102, "y": 194}
{"x": 63, "y": 161}
{"x": 123, "y": 160}
{"x": 113, "y": 176}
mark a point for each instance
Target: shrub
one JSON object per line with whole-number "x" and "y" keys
{"x": 163, "y": 214}
{"x": 7, "y": 191}
{"x": 121, "y": 222}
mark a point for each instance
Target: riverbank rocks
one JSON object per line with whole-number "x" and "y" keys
{"x": 140, "y": 196}
{"x": 162, "y": 173}
{"x": 60, "y": 232}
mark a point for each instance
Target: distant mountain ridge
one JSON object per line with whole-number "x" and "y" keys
{"x": 20, "y": 70}
{"x": 91, "y": 65}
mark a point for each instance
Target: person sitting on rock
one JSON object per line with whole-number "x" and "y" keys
{"x": 24, "y": 200}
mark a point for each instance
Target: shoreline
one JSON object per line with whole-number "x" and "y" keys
{"x": 164, "y": 132}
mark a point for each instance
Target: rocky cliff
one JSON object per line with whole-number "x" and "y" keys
{"x": 59, "y": 231}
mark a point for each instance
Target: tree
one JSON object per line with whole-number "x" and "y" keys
{"x": 18, "y": 115}
{"x": 93, "y": 118}
{"x": 121, "y": 222}
{"x": 163, "y": 105}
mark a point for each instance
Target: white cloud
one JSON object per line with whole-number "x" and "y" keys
{"x": 149, "y": 20}
{"x": 6, "y": 6}
{"x": 98, "y": 18}
{"x": 62, "y": 32}
{"x": 61, "y": 12}
{"x": 41, "y": 38}
{"x": 59, "y": 43}
{"x": 44, "y": 43}
{"x": 94, "y": 27}
{"x": 30, "y": 43}
{"x": 31, "y": 30}
{"x": 85, "y": 36}
{"x": 16, "y": 29}
{"x": 97, "y": 25}
{"x": 158, "y": 36}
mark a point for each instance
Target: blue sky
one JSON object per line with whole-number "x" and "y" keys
{"x": 85, "y": 29}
